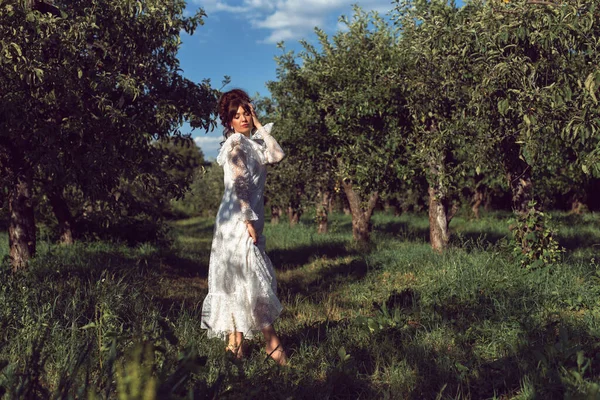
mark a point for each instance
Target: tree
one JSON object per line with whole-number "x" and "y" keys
{"x": 435, "y": 45}
{"x": 531, "y": 63}
{"x": 100, "y": 83}
{"x": 204, "y": 196}
{"x": 352, "y": 75}
{"x": 306, "y": 174}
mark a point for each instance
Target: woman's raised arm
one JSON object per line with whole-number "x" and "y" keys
{"x": 238, "y": 162}
{"x": 273, "y": 151}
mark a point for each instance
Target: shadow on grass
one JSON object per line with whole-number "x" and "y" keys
{"x": 545, "y": 358}
{"x": 549, "y": 354}
{"x": 203, "y": 228}
{"x": 92, "y": 264}
{"x": 315, "y": 333}
{"x": 287, "y": 259}
{"x": 580, "y": 241}
{"x": 482, "y": 239}
{"x": 278, "y": 384}
{"x": 407, "y": 300}
{"x": 340, "y": 274}
{"x": 342, "y": 380}
{"x": 403, "y": 231}
{"x": 185, "y": 266}
{"x": 466, "y": 239}
{"x": 568, "y": 219}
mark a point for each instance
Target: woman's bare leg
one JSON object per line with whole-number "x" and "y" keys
{"x": 235, "y": 345}
{"x": 273, "y": 347}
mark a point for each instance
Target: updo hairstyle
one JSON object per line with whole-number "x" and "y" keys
{"x": 229, "y": 103}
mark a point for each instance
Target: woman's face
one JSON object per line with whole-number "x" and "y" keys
{"x": 242, "y": 122}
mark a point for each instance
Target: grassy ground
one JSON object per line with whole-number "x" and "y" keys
{"x": 391, "y": 321}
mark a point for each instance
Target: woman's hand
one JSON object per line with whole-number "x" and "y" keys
{"x": 255, "y": 121}
{"x": 252, "y": 231}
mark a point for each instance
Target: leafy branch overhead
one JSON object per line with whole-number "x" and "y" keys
{"x": 100, "y": 83}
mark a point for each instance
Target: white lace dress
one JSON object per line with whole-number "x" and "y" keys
{"x": 241, "y": 280}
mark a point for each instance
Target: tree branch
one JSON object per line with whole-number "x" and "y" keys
{"x": 371, "y": 204}
{"x": 534, "y": 2}
{"x": 542, "y": 2}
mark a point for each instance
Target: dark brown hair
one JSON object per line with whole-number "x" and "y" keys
{"x": 229, "y": 103}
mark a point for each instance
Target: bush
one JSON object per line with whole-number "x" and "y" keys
{"x": 534, "y": 239}
{"x": 204, "y": 196}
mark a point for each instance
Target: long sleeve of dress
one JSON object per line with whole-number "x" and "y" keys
{"x": 238, "y": 162}
{"x": 272, "y": 152}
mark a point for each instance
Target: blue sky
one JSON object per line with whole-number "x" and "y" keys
{"x": 239, "y": 39}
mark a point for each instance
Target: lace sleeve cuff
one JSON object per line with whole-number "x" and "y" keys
{"x": 263, "y": 131}
{"x": 248, "y": 214}
{"x": 271, "y": 152}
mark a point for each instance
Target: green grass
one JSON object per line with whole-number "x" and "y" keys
{"x": 392, "y": 321}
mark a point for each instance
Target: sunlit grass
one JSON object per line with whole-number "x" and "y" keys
{"x": 392, "y": 320}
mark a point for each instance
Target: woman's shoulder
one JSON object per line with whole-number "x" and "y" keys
{"x": 235, "y": 139}
{"x": 233, "y": 142}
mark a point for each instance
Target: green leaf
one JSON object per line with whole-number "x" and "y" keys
{"x": 343, "y": 355}
{"x": 590, "y": 85}
{"x": 461, "y": 368}
{"x": 503, "y": 106}
{"x": 38, "y": 73}
{"x": 17, "y": 48}
{"x": 590, "y": 82}
{"x": 373, "y": 326}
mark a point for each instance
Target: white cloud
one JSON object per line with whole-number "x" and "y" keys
{"x": 209, "y": 144}
{"x": 291, "y": 19}
{"x": 211, "y": 6}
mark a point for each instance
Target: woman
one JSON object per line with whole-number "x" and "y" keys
{"x": 241, "y": 298}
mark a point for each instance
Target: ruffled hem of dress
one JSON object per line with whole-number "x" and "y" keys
{"x": 224, "y": 335}
{"x": 221, "y": 329}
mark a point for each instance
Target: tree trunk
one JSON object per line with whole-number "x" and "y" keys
{"x": 295, "y": 205}
{"x": 322, "y": 227}
{"x": 322, "y": 210}
{"x": 476, "y": 201}
{"x": 577, "y": 206}
{"x": 275, "y": 215}
{"x": 361, "y": 219}
{"x": 487, "y": 202}
{"x": 438, "y": 221}
{"x": 519, "y": 178}
{"x": 392, "y": 207}
{"x": 21, "y": 229}
{"x": 522, "y": 193}
{"x": 331, "y": 205}
{"x": 439, "y": 213}
{"x": 63, "y": 216}
{"x": 294, "y": 216}
{"x": 387, "y": 206}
